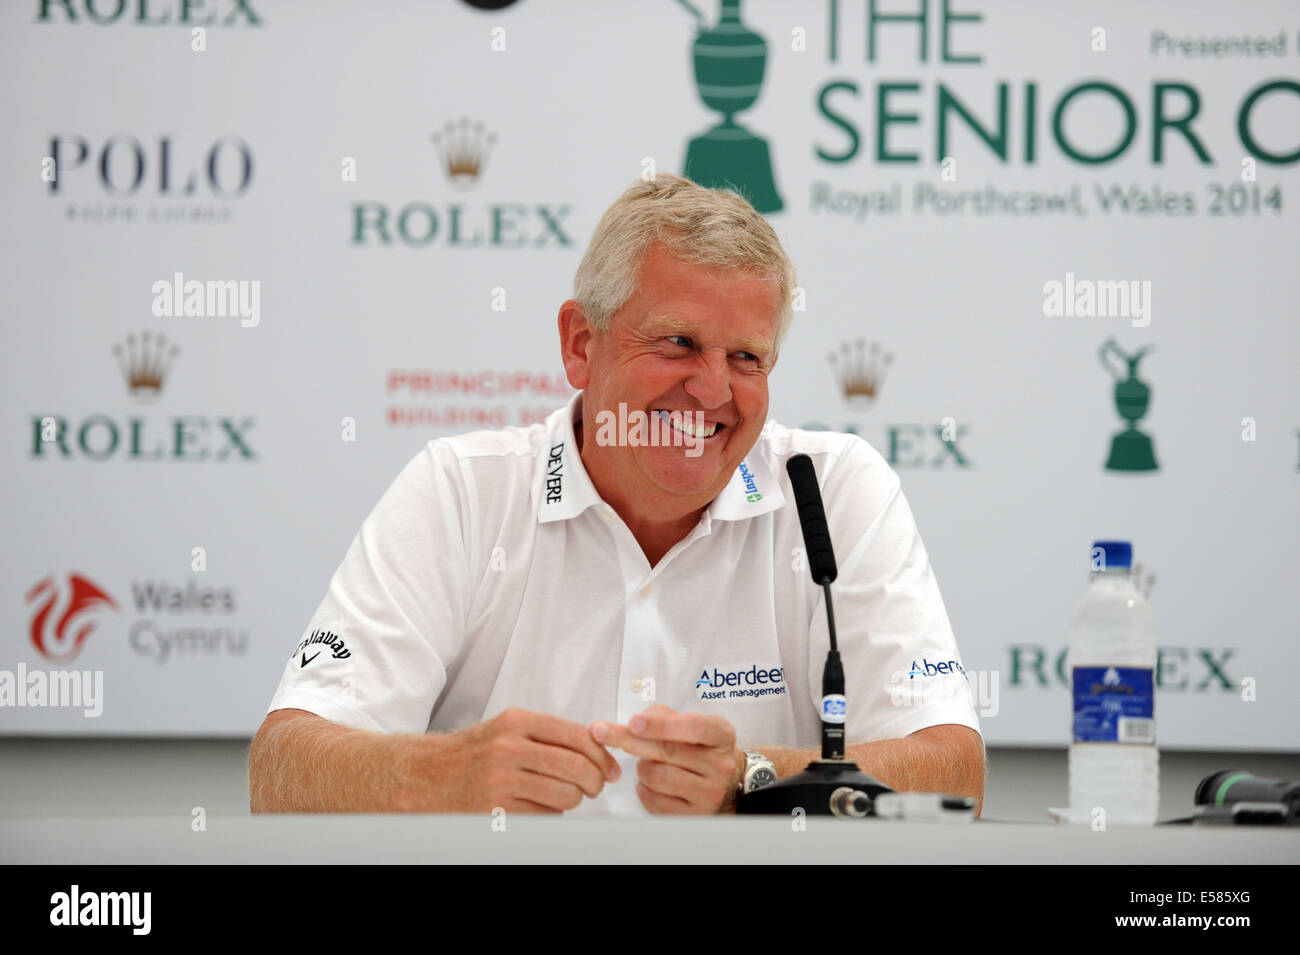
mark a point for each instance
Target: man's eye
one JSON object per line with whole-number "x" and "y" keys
{"x": 680, "y": 339}
{"x": 748, "y": 356}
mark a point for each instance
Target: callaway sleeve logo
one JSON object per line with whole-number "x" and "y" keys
{"x": 332, "y": 641}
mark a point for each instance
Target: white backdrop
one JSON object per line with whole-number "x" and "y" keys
{"x": 194, "y": 533}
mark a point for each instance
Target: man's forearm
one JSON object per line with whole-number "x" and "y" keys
{"x": 308, "y": 764}
{"x": 937, "y": 759}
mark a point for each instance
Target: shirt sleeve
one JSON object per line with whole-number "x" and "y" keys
{"x": 902, "y": 669}
{"x": 376, "y": 652}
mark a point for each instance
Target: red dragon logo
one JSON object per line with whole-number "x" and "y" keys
{"x": 63, "y": 640}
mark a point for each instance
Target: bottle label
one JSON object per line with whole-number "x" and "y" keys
{"x": 834, "y": 708}
{"x": 1114, "y": 705}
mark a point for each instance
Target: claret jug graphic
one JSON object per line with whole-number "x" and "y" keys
{"x": 1130, "y": 449}
{"x": 729, "y": 63}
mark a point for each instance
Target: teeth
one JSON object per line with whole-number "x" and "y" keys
{"x": 683, "y": 423}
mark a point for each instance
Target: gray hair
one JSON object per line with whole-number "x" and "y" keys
{"x": 711, "y": 227}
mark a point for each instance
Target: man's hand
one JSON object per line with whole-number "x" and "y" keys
{"x": 688, "y": 762}
{"x": 525, "y": 762}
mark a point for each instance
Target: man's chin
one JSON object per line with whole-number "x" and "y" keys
{"x": 684, "y": 471}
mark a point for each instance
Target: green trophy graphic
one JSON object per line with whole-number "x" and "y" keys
{"x": 1130, "y": 450}
{"x": 729, "y": 64}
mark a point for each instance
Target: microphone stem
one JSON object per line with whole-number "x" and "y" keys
{"x": 830, "y": 613}
{"x": 832, "y": 690}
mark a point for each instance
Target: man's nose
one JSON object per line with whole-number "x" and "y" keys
{"x": 710, "y": 383}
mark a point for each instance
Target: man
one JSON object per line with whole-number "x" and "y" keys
{"x": 611, "y": 612}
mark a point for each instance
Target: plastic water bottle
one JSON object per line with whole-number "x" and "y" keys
{"x": 1114, "y": 762}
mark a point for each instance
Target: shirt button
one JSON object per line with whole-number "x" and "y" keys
{"x": 636, "y": 685}
{"x": 645, "y": 591}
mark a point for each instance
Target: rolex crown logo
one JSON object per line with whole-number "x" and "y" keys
{"x": 145, "y": 364}
{"x": 860, "y": 369}
{"x": 463, "y": 149}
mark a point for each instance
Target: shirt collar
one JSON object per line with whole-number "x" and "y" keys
{"x": 563, "y": 489}
{"x": 754, "y": 489}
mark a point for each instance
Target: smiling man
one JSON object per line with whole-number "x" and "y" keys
{"x": 596, "y": 618}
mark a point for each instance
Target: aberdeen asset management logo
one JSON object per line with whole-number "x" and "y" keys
{"x": 740, "y": 682}
{"x": 64, "y": 616}
{"x": 926, "y": 668}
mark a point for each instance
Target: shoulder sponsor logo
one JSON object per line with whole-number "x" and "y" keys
{"x": 331, "y": 640}
{"x": 926, "y": 668}
{"x": 751, "y": 486}
{"x": 741, "y": 682}
{"x": 554, "y": 475}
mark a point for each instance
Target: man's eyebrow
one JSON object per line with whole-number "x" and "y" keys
{"x": 671, "y": 325}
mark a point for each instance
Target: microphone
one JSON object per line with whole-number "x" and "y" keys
{"x": 812, "y": 519}
{"x": 1230, "y": 786}
{"x": 832, "y": 785}
{"x": 821, "y": 564}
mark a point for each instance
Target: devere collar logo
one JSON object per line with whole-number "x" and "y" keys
{"x": 751, "y": 486}
{"x": 926, "y": 668}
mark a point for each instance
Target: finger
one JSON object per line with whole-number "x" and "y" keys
{"x": 686, "y": 755}
{"x": 527, "y": 805}
{"x": 668, "y": 780}
{"x": 698, "y": 728}
{"x": 547, "y": 791}
{"x": 562, "y": 763}
{"x": 544, "y": 728}
{"x": 657, "y": 802}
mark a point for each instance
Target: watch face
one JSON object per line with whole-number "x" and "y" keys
{"x": 760, "y": 778}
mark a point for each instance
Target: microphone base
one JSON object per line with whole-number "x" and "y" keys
{"x": 810, "y": 790}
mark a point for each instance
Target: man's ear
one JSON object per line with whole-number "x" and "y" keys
{"x": 575, "y": 338}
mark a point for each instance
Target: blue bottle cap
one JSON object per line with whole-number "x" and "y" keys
{"x": 1112, "y": 555}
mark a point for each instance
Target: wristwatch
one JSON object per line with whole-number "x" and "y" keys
{"x": 759, "y": 772}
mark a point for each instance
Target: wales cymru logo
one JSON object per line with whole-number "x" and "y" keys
{"x": 730, "y": 60}
{"x": 63, "y": 616}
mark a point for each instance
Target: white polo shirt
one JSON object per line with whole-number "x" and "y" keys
{"x": 492, "y": 575}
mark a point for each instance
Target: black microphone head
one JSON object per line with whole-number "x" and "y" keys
{"x": 1208, "y": 788}
{"x": 812, "y": 518}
